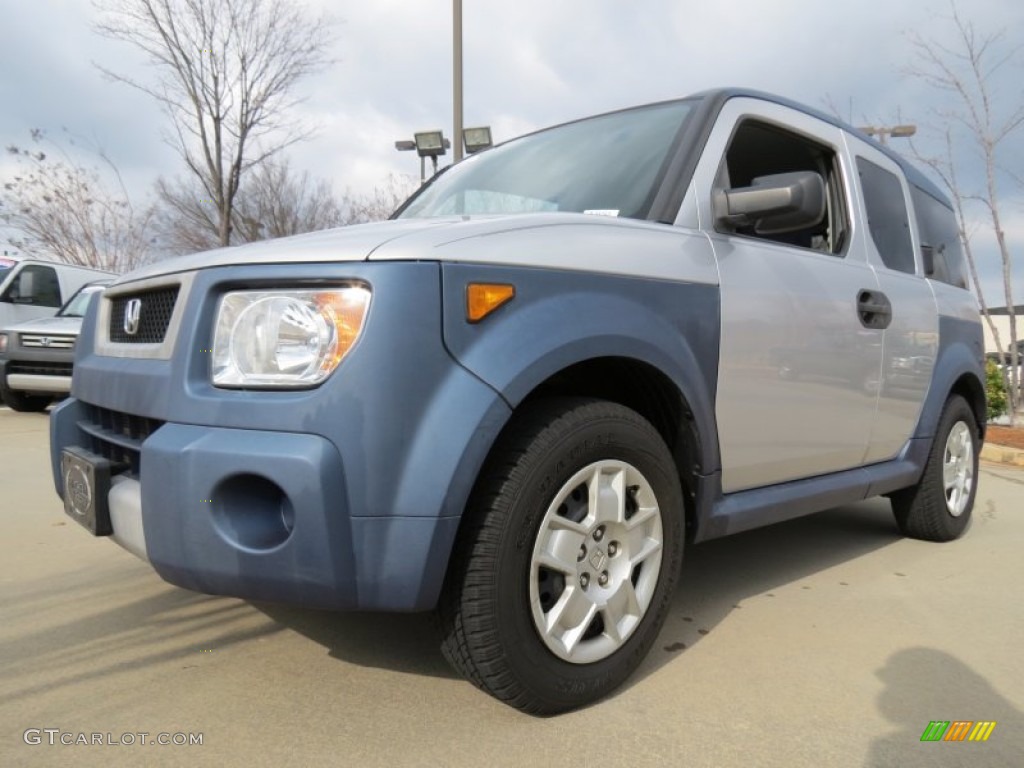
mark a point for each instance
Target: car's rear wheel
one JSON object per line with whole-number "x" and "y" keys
{"x": 19, "y": 401}
{"x": 939, "y": 507}
{"x": 568, "y": 557}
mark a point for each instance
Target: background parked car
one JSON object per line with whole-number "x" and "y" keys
{"x": 36, "y": 356}
{"x": 30, "y": 288}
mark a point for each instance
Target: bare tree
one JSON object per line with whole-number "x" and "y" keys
{"x": 379, "y": 203}
{"x": 278, "y": 203}
{"x": 965, "y": 70}
{"x": 227, "y": 73}
{"x": 272, "y": 202}
{"x": 61, "y": 209}
{"x": 185, "y": 221}
{"x": 945, "y": 168}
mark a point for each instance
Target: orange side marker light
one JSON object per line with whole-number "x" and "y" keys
{"x": 484, "y": 298}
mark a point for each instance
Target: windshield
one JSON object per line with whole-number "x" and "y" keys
{"x": 78, "y": 303}
{"x": 608, "y": 165}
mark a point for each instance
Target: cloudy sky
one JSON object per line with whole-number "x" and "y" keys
{"x": 528, "y": 63}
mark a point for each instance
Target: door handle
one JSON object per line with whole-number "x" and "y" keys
{"x": 874, "y": 309}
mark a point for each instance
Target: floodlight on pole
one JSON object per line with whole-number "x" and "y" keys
{"x": 430, "y": 144}
{"x": 896, "y": 131}
{"x": 477, "y": 139}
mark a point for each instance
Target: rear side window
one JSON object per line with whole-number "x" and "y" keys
{"x": 887, "y": 216}
{"x": 940, "y": 239}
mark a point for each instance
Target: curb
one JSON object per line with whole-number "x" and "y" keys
{"x": 1001, "y": 454}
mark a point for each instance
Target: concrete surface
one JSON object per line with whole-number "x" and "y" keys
{"x": 1002, "y": 454}
{"x": 826, "y": 641}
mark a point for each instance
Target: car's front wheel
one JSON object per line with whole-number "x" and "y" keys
{"x": 568, "y": 558}
{"x": 939, "y": 507}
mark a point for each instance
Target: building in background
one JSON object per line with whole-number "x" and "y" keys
{"x": 1001, "y": 320}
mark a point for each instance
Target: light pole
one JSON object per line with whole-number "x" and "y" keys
{"x": 896, "y": 131}
{"x": 457, "y": 85}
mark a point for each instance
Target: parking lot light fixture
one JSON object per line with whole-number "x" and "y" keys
{"x": 430, "y": 143}
{"x": 477, "y": 139}
{"x": 895, "y": 131}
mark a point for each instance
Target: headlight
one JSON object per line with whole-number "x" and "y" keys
{"x": 3, "y": 342}
{"x": 285, "y": 338}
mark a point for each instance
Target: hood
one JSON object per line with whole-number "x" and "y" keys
{"x": 404, "y": 239}
{"x": 352, "y": 243}
{"x": 55, "y": 325}
{"x": 436, "y": 243}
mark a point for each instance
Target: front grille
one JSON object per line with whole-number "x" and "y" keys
{"x": 154, "y": 316}
{"x": 40, "y": 369}
{"x": 117, "y": 436}
{"x": 43, "y": 341}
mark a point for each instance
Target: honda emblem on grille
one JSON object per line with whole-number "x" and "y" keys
{"x": 45, "y": 341}
{"x": 132, "y": 312}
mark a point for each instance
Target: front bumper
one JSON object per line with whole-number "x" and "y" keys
{"x": 346, "y": 496}
{"x": 260, "y": 515}
{"x": 37, "y": 373}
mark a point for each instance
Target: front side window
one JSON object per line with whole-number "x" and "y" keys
{"x": 610, "y": 165}
{"x": 759, "y": 149}
{"x": 886, "y": 208}
{"x": 35, "y": 285}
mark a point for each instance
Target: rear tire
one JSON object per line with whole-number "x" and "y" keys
{"x": 939, "y": 507}
{"x": 568, "y": 557}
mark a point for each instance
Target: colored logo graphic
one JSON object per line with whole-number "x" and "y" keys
{"x": 958, "y": 730}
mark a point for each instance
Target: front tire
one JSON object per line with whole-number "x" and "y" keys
{"x": 569, "y": 555}
{"x": 939, "y": 507}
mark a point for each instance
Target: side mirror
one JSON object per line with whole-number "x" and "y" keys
{"x": 775, "y": 204}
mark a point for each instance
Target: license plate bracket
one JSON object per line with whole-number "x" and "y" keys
{"x": 86, "y": 485}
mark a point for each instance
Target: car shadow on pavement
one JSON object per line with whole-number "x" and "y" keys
{"x": 403, "y": 642}
{"x": 718, "y": 575}
{"x": 60, "y": 645}
{"x": 923, "y": 685}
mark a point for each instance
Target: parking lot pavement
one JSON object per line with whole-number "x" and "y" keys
{"x": 826, "y": 641}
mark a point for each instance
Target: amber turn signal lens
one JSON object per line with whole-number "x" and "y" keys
{"x": 484, "y": 298}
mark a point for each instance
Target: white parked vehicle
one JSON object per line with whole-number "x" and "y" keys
{"x": 36, "y": 357}
{"x": 30, "y": 288}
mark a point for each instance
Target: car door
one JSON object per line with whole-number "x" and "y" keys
{"x": 910, "y": 343}
{"x": 799, "y": 367}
